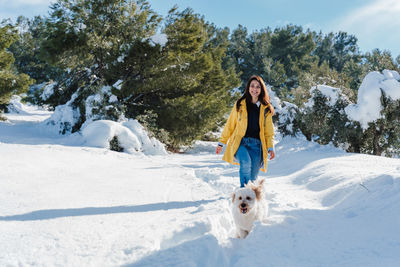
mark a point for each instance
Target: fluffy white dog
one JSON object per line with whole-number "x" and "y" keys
{"x": 248, "y": 206}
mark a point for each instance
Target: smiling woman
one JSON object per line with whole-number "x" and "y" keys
{"x": 249, "y": 132}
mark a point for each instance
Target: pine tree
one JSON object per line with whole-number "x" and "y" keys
{"x": 10, "y": 81}
{"x": 336, "y": 49}
{"x": 353, "y": 73}
{"x": 91, "y": 39}
{"x": 27, "y": 48}
{"x": 313, "y": 118}
{"x": 383, "y": 136}
{"x": 378, "y": 60}
{"x": 291, "y": 47}
{"x": 189, "y": 92}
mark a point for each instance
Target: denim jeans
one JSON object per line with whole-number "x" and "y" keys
{"x": 249, "y": 155}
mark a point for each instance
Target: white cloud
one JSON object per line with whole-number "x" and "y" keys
{"x": 376, "y": 25}
{"x": 375, "y": 15}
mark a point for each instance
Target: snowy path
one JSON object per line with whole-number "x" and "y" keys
{"x": 68, "y": 205}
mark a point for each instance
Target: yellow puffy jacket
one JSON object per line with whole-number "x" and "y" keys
{"x": 236, "y": 126}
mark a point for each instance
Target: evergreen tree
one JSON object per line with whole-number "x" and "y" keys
{"x": 321, "y": 75}
{"x": 383, "y": 136}
{"x": 10, "y": 81}
{"x": 313, "y": 118}
{"x": 91, "y": 39}
{"x": 189, "y": 94}
{"x": 291, "y": 47}
{"x": 345, "y": 49}
{"x": 378, "y": 60}
{"x": 324, "y": 120}
{"x": 336, "y": 49}
{"x": 353, "y": 72}
{"x": 27, "y": 48}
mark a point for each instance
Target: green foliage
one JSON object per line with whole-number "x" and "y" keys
{"x": 115, "y": 145}
{"x": 181, "y": 90}
{"x": 313, "y": 119}
{"x": 91, "y": 38}
{"x": 279, "y": 56}
{"x": 378, "y": 61}
{"x": 321, "y": 75}
{"x": 292, "y": 47}
{"x": 383, "y": 136}
{"x": 10, "y": 81}
{"x": 187, "y": 90}
{"x": 27, "y": 48}
{"x": 336, "y": 49}
{"x": 326, "y": 122}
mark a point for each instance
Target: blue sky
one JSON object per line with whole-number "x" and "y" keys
{"x": 376, "y": 23}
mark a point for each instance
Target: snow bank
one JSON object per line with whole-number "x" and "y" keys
{"x": 368, "y": 108}
{"x": 21, "y": 112}
{"x": 131, "y": 136}
{"x": 15, "y": 105}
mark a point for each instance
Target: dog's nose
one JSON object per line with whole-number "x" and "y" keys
{"x": 243, "y": 205}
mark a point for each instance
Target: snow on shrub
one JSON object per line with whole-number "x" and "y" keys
{"x": 64, "y": 117}
{"x": 48, "y": 91}
{"x": 131, "y": 136}
{"x": 368, "y": 107}
{"x": 285, "y": 114}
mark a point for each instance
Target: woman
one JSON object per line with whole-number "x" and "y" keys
{"x": 250, "y": 132}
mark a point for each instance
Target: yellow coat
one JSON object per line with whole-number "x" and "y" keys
{"x": 236, "y": 126}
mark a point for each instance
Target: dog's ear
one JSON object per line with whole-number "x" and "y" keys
{"x": 261, "y": 182}
{"x": 259, "y": 189}
{"x": 233, "y": 197}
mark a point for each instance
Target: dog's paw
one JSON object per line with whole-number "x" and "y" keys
{"x": 243, "y": 233}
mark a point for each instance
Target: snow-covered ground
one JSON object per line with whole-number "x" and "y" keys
{"x": 65, "y": 204}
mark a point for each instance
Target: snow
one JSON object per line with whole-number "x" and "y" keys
{"x": 48, "y": 90}
{"x": 67, "y": 204}
{"x": 368, "y": 107}
{"x": 159, "y": 38}
{"x": 130, "y": 134}
{"x": 331, "y": 93}
{"x": 118, "y": 84}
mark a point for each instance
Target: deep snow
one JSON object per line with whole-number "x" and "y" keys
{"x": 66, "y": 204}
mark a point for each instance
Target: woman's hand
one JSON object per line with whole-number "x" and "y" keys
{"x": 218, "y": 150}
{"x": 271, "y": 154}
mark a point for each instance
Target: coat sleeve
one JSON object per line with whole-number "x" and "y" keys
{"x": 229, "y": 126}
{"x": 269, "y": 131}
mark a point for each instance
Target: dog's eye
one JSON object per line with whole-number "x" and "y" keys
{"x": 240, "y": 198}
{"x": 248, "y": 198}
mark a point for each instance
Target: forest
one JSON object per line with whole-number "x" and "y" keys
{"x": 179, "y": 75}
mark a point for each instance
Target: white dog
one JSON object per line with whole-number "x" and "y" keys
{"x": 248, "y": 206}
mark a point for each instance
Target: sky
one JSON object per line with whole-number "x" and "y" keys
{"x": 376, "y": 23}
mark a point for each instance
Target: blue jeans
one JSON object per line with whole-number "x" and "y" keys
{"x": 249, "y": 155}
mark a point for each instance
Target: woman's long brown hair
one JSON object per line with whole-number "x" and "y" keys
{"x": 263, "y": 97}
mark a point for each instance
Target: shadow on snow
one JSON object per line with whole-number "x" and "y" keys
{"x": 59, "y": 213}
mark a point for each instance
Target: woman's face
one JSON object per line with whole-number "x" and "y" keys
{"x": 255, "y": 89}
